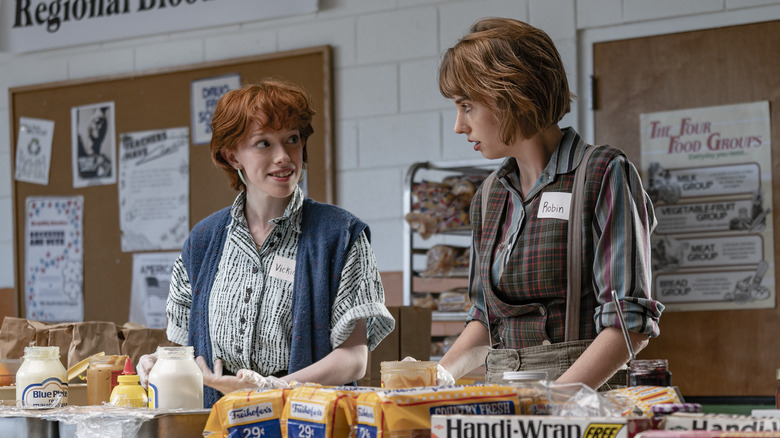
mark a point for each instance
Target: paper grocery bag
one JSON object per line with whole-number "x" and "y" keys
{"x": 91, "y": 337}
{"x": 138, "y": 340}
{"x": 17, "y": 333}
{"x": 77, "y": 340}
{"x": 60, "y": 336}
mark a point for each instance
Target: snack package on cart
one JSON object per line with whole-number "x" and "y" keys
{"x": 446, "y": 260}
{"x": 645, "y": 397}
{"x": 321, "y": 411}
{"x": 442, "y": 206}
{"x": 248, "y": 412}
{"x": 546, "y": 397}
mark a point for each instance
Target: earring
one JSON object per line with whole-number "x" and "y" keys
{"x": 241, "y": 176}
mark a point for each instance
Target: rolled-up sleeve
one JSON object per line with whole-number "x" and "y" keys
{"x": 624, "y": 220}
{"x": 178, "y": 305}
{"x": 360, "y": 296}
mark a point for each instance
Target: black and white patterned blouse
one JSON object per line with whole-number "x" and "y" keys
{"x": 250, "y": 323}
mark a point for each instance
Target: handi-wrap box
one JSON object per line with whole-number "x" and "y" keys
{"x": 720, "y": 422}
{"x": 536, "y": 426}
{"x": 411, "y": 337}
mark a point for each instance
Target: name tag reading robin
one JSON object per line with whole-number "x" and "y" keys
{"x": 283, "y": 268}
{"x": 555, "y": 205}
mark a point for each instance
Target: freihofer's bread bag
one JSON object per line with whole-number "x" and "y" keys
{"x": 321, "y": 411}
{"x": 406, "y": 412}
{"x": 252, "y": 413}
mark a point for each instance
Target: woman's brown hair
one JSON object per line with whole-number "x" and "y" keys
{"x": 273, "y": 104}
{"x": 514, "y": 69}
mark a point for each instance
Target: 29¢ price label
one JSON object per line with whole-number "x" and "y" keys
{"x": 256, "y": 431}
{"x": 299, "y": 429}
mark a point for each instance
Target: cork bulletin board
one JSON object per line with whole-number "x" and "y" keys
{"x": 711, "y": 353}
{"x": 152, "y": 101}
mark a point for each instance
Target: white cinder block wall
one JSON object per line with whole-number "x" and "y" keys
{"x": 388, "y": 111}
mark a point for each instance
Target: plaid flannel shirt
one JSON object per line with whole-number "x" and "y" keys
{"x": 523, "y": 274}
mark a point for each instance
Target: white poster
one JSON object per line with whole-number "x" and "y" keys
{"x": 54, "y": 248}
{"x": 33, "y": 150}
{"x": 154, "y": 181}
{"x": 92, "y": 138}
{"x": 709, "y": 174}
{"x": 205, "y": 94}
{"x": 151, "y": 280}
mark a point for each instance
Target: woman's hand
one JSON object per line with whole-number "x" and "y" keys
{"x": 443, "y": 377}
{"x": 242, "y": 380}
{"x": 215, "y": 379}
{"x": 145, "y": 364}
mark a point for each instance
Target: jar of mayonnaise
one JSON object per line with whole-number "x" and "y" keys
{"x": 175, "y": 380}
{"x": 42, "y": 380}
{"x": 524, "y": 379}
{"x": 530, "y": 393}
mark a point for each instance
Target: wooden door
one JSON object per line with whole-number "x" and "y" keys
{"x": 711, "y": 353}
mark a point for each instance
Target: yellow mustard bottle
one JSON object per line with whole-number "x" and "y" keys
{"x": 128, "y": 393}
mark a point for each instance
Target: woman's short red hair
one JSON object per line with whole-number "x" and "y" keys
{"x": 274, "y": 104}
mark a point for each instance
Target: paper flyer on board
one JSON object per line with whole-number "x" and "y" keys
{"x": 54, "y": 248}
{"x": 93, "y": 144}
{"x": 150, "y": 283}
{"x": 708, "y": 172}
{"x": 205, "y": 93}
{"x": 154, "y": 181}
{"x": 33, "y": 150}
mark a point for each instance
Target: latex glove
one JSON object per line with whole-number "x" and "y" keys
{"x": 144, "y": 367}
{"x": 444, "y": 377}
{"x": 243, "y": 379}
{"x": 255, "y": 379}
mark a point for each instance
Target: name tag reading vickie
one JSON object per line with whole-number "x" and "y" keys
{"x": 555, "y": 205}
{"x": 283, "y": 268}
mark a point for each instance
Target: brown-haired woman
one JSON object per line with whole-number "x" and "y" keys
{"x": 276, "y": 287}
{"x": 508, "y": 83}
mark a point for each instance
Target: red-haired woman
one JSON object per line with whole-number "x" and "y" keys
{"x": 276, "y": 287}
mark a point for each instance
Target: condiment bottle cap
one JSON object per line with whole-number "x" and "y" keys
{"x": 128, "y": 367}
